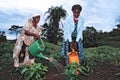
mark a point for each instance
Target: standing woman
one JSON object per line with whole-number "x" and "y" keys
{"x": 30, "y": 33}
{"x": 73, "y": 33}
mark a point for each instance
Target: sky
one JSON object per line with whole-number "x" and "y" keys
{"x": 101, "y": 14}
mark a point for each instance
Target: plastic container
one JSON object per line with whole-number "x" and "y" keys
{"x": 36, "y": 48}
{"x": 73, "y": 57}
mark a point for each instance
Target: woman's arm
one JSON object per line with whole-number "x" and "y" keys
{"x": 37, "y": 36}
{"x": 80, "y": 29}
{"x": 29, "y": 33}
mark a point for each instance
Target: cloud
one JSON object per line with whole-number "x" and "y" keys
{"x": 17, "y": 11}
{"x": 101, "y": 14}
{"x": 35, "y": 4}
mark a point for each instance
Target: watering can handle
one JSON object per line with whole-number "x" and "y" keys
{"x": 42, "y": 44}
{"x": 73, "y": 50}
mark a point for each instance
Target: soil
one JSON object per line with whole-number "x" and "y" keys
{"x": 102, "y": 72}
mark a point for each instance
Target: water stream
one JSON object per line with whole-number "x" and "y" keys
{"x": 58, "y": 66}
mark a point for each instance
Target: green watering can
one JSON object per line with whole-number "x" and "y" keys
{"x": 36, "y": 48}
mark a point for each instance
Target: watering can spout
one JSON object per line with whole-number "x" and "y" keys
{"x": 42, "y": 56}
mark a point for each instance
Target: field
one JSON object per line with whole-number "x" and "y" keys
{"x": 100, "y": 63}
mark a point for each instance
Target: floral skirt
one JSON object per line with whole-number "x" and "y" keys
{"x": 24, "y": 57}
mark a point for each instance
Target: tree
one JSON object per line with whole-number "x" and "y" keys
{"x": 47, "y": 33}
{"x": 3, "y": 36}
{"x": 118, "y": 26}
{"x": 16, "y": 29}
{"x": 55, "y": 14}
{"x": 90, "y": 36}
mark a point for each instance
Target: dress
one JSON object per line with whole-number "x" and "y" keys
{"x": 23, "y": 42}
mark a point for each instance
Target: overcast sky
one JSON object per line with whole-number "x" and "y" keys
{"x": 102, "y": 14}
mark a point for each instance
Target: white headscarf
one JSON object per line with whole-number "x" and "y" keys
{"x": 36, "y": 14}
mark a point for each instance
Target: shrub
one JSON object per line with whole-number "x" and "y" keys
{"x": 72, "y": 71}
{"x": 34, "y": 72}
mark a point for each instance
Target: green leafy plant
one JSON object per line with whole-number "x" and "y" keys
{"x": 117, "y": 76}
{"x": 34, "y": 72}
{"x": 73, "y": 70}
{"x": 89, "y": 62}
{"x": 101, "y": 54}
{"x": 6, "y": 53}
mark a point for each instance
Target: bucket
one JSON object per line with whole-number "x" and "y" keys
{"x": 73, "y": 57}
{"x": 36, "y": 47}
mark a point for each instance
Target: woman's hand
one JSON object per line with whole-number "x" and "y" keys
{"x": 73, "y": 45}
{"x": 36, "y": 36}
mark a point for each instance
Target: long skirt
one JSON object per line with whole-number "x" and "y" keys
{"x": 21, "y": 55}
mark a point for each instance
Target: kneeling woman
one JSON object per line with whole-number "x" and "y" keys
{"x": 30, "y": 33}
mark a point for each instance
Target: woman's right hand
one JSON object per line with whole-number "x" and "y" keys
{"x": 37, "y": 36}
{"x": 73, "y": 45}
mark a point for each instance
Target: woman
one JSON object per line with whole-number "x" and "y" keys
{"x": 29, "y": 34}
{"x": 73, "y": 30}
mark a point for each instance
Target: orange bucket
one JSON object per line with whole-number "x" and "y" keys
{"x": 73, "y": 57}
